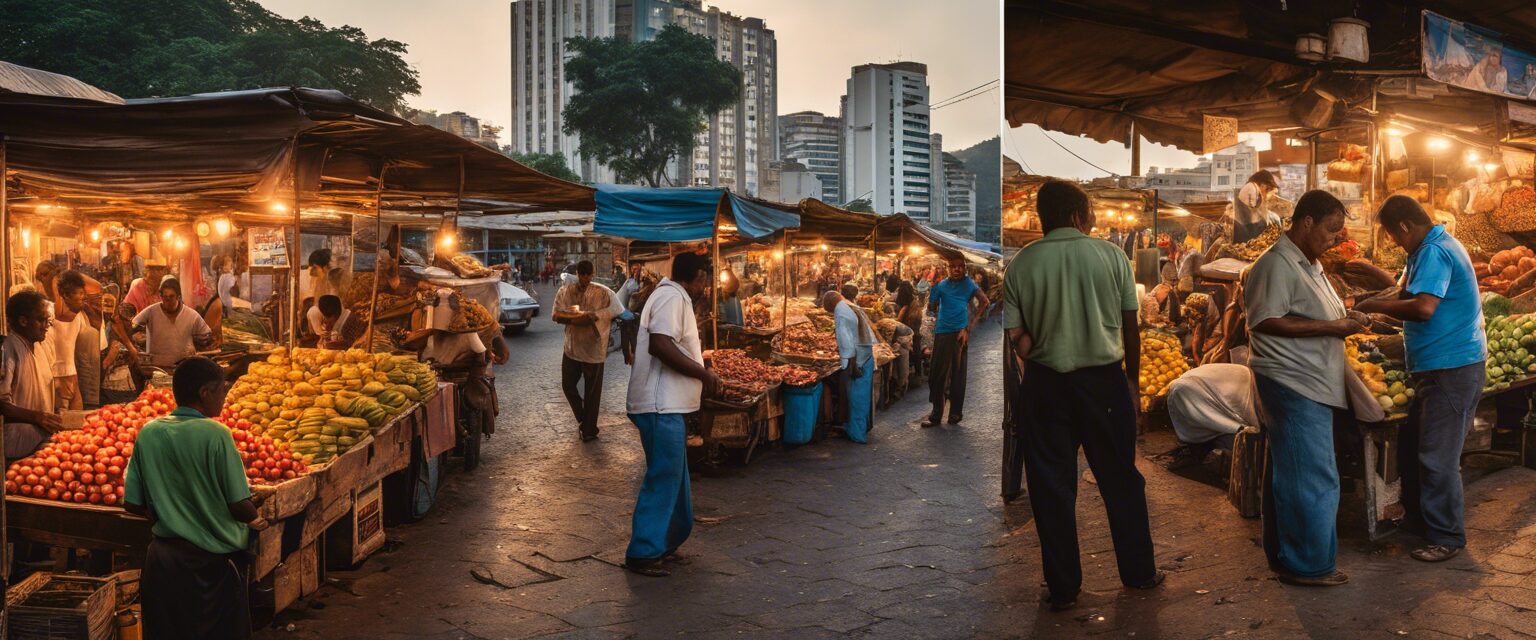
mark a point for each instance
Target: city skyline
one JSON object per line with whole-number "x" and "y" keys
{"x": 462, "y": 52}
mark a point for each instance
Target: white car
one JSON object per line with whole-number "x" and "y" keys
{"x": 518, "y": 308}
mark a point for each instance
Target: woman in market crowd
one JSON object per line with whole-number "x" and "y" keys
{"x": 186, "y": 477}
{"x": 1070, "y": 313}
{"x": 1249, "y": 213}
{"x": 1446, "y": 354}
{"x": 668, "y": 382}
{"x": 957, "y": 304}
{"x": 174, "y": 330}
{"x": 130, "y": 265}
{"x": 909, "y": 312}
{"x": 26, "y": 376}
{"x": 1298, "y": 325}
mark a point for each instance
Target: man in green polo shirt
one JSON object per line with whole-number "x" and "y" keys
{"x": 1069, "y": 306}
{"x": 186, "y": 476}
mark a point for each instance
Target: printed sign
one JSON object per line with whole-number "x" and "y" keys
{"x": 268, "y": 247}
{"x": 1472, "y": 57}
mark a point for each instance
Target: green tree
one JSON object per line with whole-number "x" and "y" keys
{"x": 639, "y": 105}
{"x": 158, "y": 48}
{"x": 550, "y": 164}
{"x": 862, "y": 205}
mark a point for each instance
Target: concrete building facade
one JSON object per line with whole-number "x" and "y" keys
{"x": 959, "y": 199}
{"x": 1214, "y": 178}
{"x": 811, "y": 139}
{"x": 887, "y": 147}
{"x": 539, "y": 89}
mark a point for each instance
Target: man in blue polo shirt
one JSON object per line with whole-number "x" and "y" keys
{"x": 954, "y": 319}
{"x": 1446, "y": 349}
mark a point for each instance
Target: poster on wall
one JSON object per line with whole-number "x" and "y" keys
{"x": 1471, "y": 57}
{"x": 268, "y": 247}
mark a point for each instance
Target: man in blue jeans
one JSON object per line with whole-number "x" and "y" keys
{"x": 950, "y": 301}
{"x": 1446, "y": 348}
{"x": 666, "y": 383}
{"x": 1297, "y": 325}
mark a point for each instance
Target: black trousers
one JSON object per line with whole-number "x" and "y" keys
{"x": 946, "y": 377}
{"x": 1090, "y": 409}
{"x": 585, "y": 402}
{"x": 838, "y": 385}
{"x": 189, "y": 593}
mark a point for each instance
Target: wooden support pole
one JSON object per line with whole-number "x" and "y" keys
{"x": 378, "y": 250}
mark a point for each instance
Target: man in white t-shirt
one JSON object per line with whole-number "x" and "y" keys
{"x": 72, "y": 318}
{"x": 175, "y": 331}
{"x": 668, "y": 381}
{"x": 327, "y": 320}
{"x": 26, "y": 372}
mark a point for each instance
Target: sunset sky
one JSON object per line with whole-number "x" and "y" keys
{"x": 461, "y": 50}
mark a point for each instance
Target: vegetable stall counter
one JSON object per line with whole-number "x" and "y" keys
{"x": 315, "y": 518}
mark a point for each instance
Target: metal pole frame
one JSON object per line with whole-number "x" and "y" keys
{"x": 378, "y": 248}
{"x": 784, "y": 264}
{"x": 5, "y": 280}
{"x": 293, "y": 249}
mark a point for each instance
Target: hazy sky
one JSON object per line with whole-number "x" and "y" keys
{"x": 1029, "y": 143}
{"x": 461, "y": 49}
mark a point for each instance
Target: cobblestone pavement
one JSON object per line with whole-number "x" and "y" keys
{"x": 901, "y": 538}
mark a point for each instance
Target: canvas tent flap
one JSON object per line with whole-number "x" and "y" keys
{"x": 233, "y": 151}
{"x": 22, "y": 83}
{"x": 685, "y": 214}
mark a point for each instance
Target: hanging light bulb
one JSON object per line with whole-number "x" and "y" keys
{"x": 1472, "y": 157}
{"x": 778, "y": 254}
{"x": 96, "y": 235}
{"x": 446, "y": 241}
{"x": 278, "y": 207}
{"x": 166, "y": 235}
{"x": 181, "y": 244}
{"x": 26, "y": 237}
{"x": 203, "y": 229}
{"x": 221, "y": 226}
{"x": 823, "y": 246}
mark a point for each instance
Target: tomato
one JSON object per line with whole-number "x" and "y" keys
{"x": 100, "y": 467}
{"x": 87, "y": 477}
{"x": 53, "y": 494}
{"x": 109, "y": 499}
{"x": 113, "y": 470}
{"x": 54, "y": 472}
{"x": 79, "y": 497}
{"x": 67, "y": 475}
{"x": 25, "y": 489}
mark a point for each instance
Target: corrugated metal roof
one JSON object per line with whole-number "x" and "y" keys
{"x": 15, "y": 78}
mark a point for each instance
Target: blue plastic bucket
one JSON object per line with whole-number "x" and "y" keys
{"x": 801, "y": 407}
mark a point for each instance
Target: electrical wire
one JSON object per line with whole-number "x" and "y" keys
{"x": 1047, "y": 135}
{"x": 955, "y": 102}
{"x": 1013, "y": 146}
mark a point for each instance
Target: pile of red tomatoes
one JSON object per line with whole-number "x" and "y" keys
{"x": 87, "y": 465}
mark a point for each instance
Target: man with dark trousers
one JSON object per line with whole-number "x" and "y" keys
{"x": 956, "y": 303}
{"x": 186, "y": 476}
{"x": 1070, "y": 311}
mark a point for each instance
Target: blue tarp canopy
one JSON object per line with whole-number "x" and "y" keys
{"x": 685, "y": 214}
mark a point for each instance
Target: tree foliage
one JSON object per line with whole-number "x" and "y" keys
{"x": 638, "y": 105}
{"x": 159, "y": 48}
{"x": 550, "y": 164}
{"x": 862, "y": 205}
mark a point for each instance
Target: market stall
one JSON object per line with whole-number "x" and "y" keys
{"x": 231, "y": 192}
{"x": 1426, "y": 110}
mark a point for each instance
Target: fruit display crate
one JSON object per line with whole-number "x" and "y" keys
{"x": 300, "y": 510}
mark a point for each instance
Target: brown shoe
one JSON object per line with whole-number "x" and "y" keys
{"x": 1434, "y": 553}
{"x": 1156, "y": 580}
{"x": 1058, "y": 604}
{"x": 1334, "y": 579}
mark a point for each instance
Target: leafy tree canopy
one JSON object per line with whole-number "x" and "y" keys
{"x": 160, "y": 48}
{"x": 550, "y": 164}
{"x": 638, "y": 105}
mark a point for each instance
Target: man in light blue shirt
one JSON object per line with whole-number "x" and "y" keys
{"x": 951, "y": 303}
{"x": 855, "y": 340}
{"x": 1446, "y": 352}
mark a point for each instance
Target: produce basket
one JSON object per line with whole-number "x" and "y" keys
{"x": 48, "y": 606}
{"x": 804, "y": 360}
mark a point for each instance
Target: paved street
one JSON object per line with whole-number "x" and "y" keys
{"x": 902, "y": 538}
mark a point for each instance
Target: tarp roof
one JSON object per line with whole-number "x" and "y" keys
{"x": 26, "y": 81}
{"x": 1093, "y": 67}
{"x": 237, "y": 151}
{"x": 684, "y": 214}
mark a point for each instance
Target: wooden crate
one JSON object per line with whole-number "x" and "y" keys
{"x": 286, "y": 499}
{"x": 48, "y": 606}
{"x": 356, "y": 536}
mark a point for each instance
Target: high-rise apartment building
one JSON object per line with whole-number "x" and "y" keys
{"x": 539, "y": 89}
{"x": 888, "y": 150}
{"x": 811, "y": 139}
{"x": 462, "y": 125}
{"x": 959, "y": 198}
